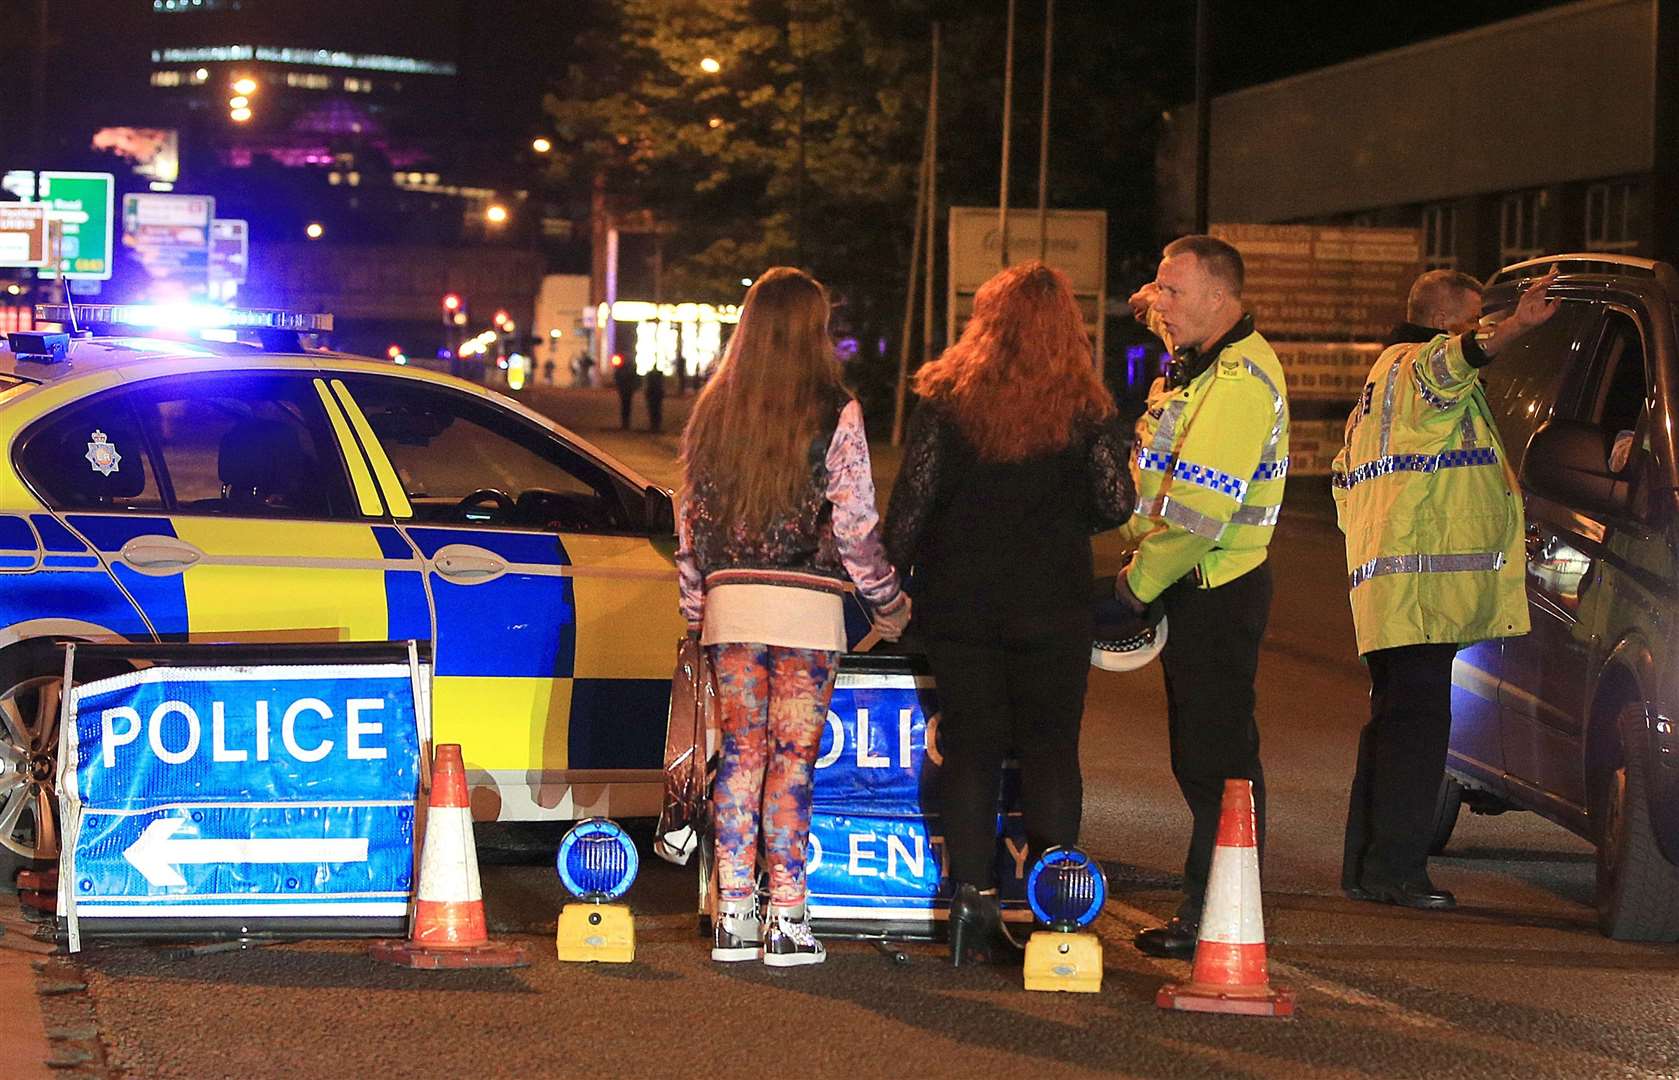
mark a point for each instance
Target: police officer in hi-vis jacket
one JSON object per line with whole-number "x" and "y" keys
{"x": 1212, "y": 452}
{"x": 1433, "y": 522}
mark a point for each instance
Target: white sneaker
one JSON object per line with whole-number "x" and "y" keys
{"x": 738, "y": 932}
{"x": 789, "y": 941}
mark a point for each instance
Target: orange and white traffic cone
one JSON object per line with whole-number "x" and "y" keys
{"x": 448, "y": 929}
{"x": 1230, "y": 973}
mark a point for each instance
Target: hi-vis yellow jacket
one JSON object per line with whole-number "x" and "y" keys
{"x": 1429, "y": 507}
{"x": 1211, "y": 458}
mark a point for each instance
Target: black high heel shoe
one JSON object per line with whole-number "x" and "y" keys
{"x": 976, "y": 925}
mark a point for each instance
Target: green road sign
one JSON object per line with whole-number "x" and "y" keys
{"x": 79, "y": 212}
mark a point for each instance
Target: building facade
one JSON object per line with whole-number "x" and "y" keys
{"x": 1547, "y": 133}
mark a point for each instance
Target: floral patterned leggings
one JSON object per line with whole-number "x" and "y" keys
{"x": 774, "y": 702}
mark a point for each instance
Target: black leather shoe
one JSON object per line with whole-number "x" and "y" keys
{"x": 1175, "y": 940}
{"x": 1423, "y": 896}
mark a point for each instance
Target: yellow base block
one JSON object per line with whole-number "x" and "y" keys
{"x": 596, "y": 933}
{"x": 1060, "y": 961}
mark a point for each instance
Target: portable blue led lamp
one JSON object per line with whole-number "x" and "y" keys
{"x": 1066, "y": 889}
{"x": 597, "y": 863}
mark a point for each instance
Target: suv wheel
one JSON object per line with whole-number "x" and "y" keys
{"x": 1446, "y": 809}
{"x": 1637, "y": 888}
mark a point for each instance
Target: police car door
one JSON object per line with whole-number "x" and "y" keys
{"x": 267, "y": 531}
{"x": 555, "y": 601}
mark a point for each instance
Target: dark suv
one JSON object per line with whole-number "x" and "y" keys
{"x": 1576, "y": 720}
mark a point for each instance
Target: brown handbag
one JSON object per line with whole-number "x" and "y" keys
{"x": 691, "y": 744}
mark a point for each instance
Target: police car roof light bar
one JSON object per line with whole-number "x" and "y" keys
{"x": 185, "y": 317}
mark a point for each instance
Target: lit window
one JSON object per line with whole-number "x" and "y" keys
{"x": 1439, "y": 237}
{"x": 1520, "y": 225}
{"x": 167, "y": 78}
{"x": 1614, "y": 217}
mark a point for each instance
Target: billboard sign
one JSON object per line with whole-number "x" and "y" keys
{"x": 230, "y": 255}
{"x": 79, "y": 208}
{"x": 1325, "y": 283}
{"x": 1077, "y": 245}
{"x": 23, "y": 234}
{"x": 170, "y": 236}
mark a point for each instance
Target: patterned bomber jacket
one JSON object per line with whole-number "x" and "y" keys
{"x": 832, "y": 535}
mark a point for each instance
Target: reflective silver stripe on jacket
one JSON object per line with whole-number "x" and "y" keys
{"x": 1387, "y": 407}
{"x": 1423, "y": 564}
{"x": 1167, "y": 433}
{"x": 1468, "y": 427}
{"x": 1269, "y": 452}
{"x": 1437, "y": 364}
{"x": 1168, "y": 509}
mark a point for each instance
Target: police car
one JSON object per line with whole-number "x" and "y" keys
{"x": 161, "y": 487}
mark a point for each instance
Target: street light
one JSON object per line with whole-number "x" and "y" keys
{"x": 239, "y": 115}
{"x": 710, "y": 66}
{"x": 714, "y": 123}
{"x": 496, "y": 214}
{"x": 314, "y": 231}
{"x": 245, "y": 85}
{"x": 541, "y": 145}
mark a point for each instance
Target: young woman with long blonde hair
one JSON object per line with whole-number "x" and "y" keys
{"x": 1014, "y": 459}
{"x": 777, "y": 512}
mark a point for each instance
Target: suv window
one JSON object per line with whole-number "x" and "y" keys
{"x": 1614, "y": 397}
{"x": 251, "y": 444}
{"x": 1542, "y": 373}
{"x": 447, "y": 447}
{"x": 91, "y": 456}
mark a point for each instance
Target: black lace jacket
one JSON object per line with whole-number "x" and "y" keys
{"x": 1001, "y": 550}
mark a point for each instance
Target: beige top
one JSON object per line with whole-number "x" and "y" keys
{"x": 774, "y": 615}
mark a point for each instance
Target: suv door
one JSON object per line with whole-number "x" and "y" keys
{"x": 555, "y": 601}
{"x": 1549, "y": 675}
{"x": 264, "y": 529}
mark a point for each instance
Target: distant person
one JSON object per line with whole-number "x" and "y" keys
{"x": 1434, "y": 530}
{"x": 772, "y": 527}
{"x": 625, "y": 379}
{"x": 1212, "y": 455}
{"x": 1015, "y": 457}
{"x": 655, "y": 399}
{"x": 585, "y": 369}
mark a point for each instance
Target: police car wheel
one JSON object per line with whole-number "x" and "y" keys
{"x": 31, "y": 684}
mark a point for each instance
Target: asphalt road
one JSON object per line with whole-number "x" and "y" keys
{"x": 1516, "y": 982}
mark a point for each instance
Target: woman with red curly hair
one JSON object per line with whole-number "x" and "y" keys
{"x": 1015, "y": 457}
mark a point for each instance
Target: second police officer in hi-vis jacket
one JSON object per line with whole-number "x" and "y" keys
{"x": 1212, "y": 453}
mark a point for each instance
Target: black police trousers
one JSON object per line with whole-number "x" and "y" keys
{"x": 1029, "y": 698}
{"x": 1210, "y": 660}
{"x": 1401, "y": 759}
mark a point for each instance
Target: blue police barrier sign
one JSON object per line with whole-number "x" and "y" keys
{"x": 283, "y": 791}
{"x": 876, "y": 853}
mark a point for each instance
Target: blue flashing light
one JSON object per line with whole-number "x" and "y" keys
{"x": 597, "y": 861}
{"x": 1066, "y": 888}
{"x": 183, "y": 317}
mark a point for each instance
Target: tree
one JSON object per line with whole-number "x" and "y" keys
{"x": 716, "y": 156}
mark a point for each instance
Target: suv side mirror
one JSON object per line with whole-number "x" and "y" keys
{"x": 659, "y": 513}
{"x": 1567, "y": 461}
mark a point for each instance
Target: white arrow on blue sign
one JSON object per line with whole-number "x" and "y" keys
{"x": 157, "y": 853}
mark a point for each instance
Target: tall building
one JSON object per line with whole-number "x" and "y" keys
{"x": 380, "y": 150}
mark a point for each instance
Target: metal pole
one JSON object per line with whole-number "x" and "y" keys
{"x": 1203, "y": 116}
{"x": 914, "y": 265}
{"x": 1043, "y": 133}
{"x": 38, "y": 90}
{"x": 799, "y": 177}
{"x": 1008, "y": 117}
{"x": 930, "y": 250}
